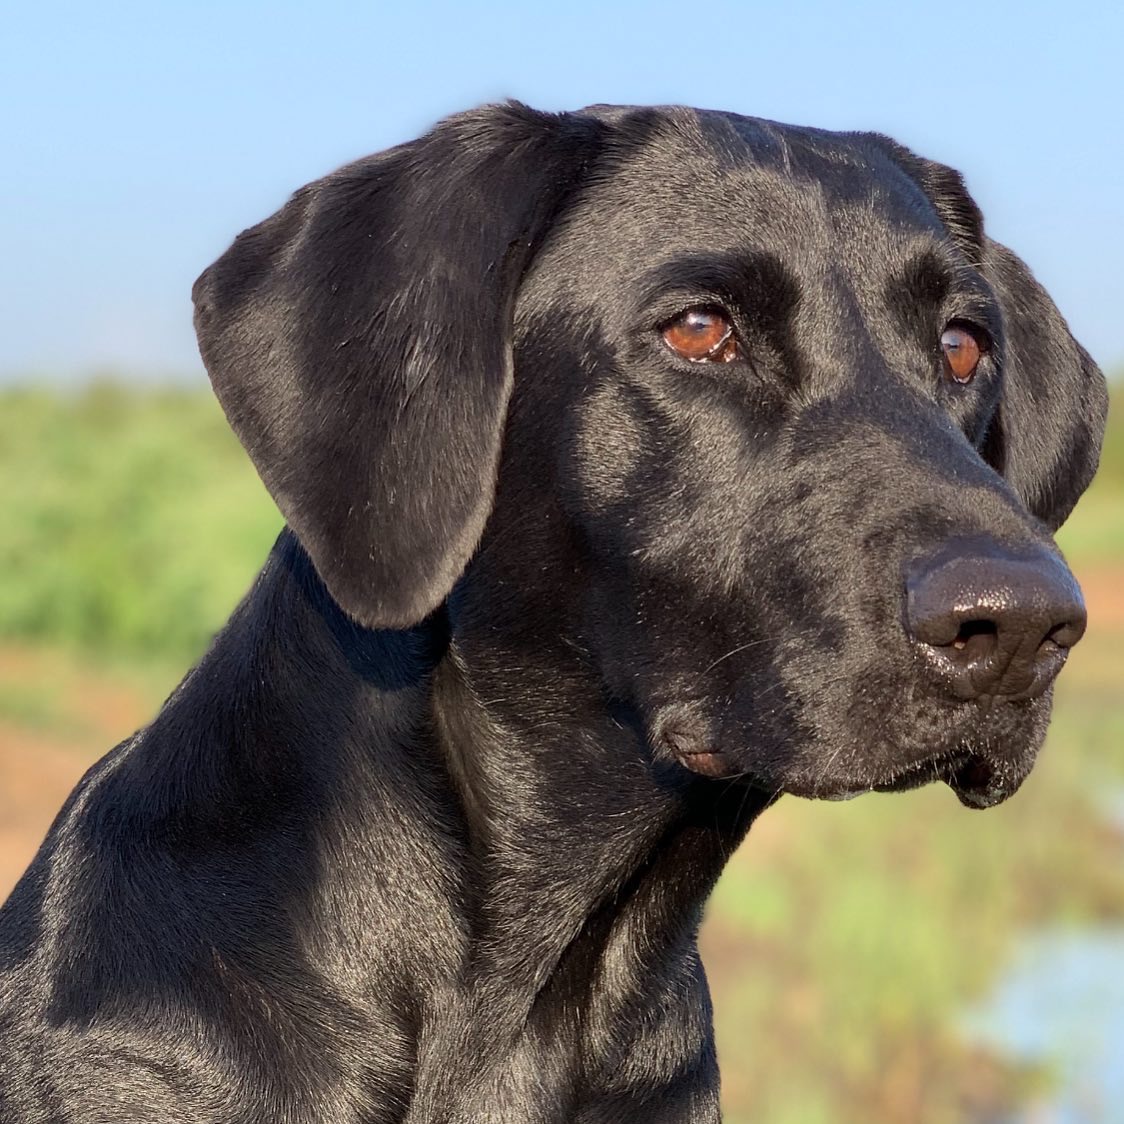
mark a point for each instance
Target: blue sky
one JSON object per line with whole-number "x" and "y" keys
{"x": 140, "y": 137}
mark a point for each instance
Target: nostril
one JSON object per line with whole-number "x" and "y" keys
{"x": 976, "y": 640}
{"x": 1066, "y": 634}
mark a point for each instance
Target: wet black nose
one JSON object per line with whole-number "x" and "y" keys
{"x": 994, "y": 622}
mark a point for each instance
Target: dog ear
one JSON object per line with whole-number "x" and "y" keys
{"x": 359, "y": 341}
{"x": 1045, "y": 438}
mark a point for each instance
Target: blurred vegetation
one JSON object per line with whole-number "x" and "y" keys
{"x": 843, "y": 943}
{"x": 1095, "y": 532}
{"x": 132, "y": 523}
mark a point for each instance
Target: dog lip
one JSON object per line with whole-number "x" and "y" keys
{"x": 695, "y": 755}
{"x": 938, "y": 768}
{"x": 921, "y": 773}
{"x": 688, "y": 739}
{"x": 978, "y": 784}
{"x": 707, "y": 763}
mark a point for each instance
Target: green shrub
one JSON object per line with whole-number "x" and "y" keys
{"x": 132, "y": 519}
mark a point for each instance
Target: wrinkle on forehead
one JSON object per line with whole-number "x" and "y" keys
{"x": 696, "y": 180}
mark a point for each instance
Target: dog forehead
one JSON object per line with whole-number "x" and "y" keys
{"x": 678, "y": 180}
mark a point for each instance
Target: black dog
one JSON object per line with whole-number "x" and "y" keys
{"x": 641, "y": 466}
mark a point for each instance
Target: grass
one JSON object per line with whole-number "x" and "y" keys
{"x": 132, "y": 521}
{"x": 1094, "y": 535}
{"x": 843, "y": 940}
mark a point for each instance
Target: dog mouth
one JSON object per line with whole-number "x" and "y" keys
{"x": 977, "y": 781}
{"x": 980, "y": 779}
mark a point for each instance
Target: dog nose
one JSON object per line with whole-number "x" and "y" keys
{"x": 994, "y": 622}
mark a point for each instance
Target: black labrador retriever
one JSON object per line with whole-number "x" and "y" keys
{"x": 640, "y": 466}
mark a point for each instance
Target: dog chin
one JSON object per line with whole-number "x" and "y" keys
{"x": 978, "y": 780}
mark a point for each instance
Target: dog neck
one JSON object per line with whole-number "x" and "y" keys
{"x": 505, "y": 853}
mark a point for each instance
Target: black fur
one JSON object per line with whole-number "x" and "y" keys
{"x": 418, "y": 839}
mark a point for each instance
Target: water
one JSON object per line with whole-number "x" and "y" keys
{"x": 1061, "y": 1005}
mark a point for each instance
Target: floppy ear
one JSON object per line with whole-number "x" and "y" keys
{"x": 1045, "y": 438}
{"x": 359, "y": 341}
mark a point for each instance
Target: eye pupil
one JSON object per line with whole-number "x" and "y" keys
{"x": 961, "y": 353}
{"x": 701, "y": 334}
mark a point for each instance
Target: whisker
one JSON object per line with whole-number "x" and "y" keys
{"x": 740, "y": 648}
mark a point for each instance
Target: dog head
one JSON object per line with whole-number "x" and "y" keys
{"x": 756, "y": 418}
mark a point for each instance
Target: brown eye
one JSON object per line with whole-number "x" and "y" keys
{"x": 702, "y": 335}
{"x": 961, "y": 353}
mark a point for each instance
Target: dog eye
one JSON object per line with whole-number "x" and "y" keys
{"x": 962, "y": 353}
{"x": 703, "y": 335}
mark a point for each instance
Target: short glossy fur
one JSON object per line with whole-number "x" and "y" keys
{"x": 416, "y": 840}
